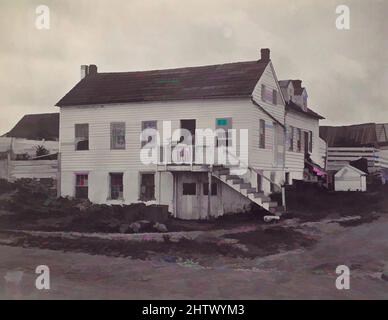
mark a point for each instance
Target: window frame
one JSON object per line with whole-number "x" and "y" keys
{"x": 310, "y": 141}
{"x": 143, "y": 127}
{"x": 274, "y": 97}
{"x": 77, "y": 136}
{"x": 114, "y": 128}
{"x": 119, "y": 197}
{"x": 185, "y": 189}
{"x": 142, "y": 195}
{"x": 291, "y": 134}
{"x": 299, "y": 140}
{"x": 84, "y": 186}
{"x": 262, "y": 132}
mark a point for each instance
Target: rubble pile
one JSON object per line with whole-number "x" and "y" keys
{"x": 31, "y": 205}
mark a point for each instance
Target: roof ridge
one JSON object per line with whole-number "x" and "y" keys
{"x": 180, "y": 68}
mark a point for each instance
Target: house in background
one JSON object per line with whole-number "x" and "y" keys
{"x": 40, "y": 126}
{"x": 350, "y": 178}
{"x": 19, "y": 155}
{"x": 353, "y": 142}
{"x": 103, "y": 116}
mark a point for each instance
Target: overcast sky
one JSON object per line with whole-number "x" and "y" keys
{"x": 344, "y": 71}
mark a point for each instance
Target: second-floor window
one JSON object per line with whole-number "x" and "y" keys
{"x": 82, "y": 136}
{"x": 299, "y": 140}
{"x": 274, "y": 97}
{"x": 148, "y": 135}
{"x": 117, "y": 135}
{"x": 262, "y": 134}
{"x": 291, "y": 138}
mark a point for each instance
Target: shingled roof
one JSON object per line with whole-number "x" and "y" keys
{"x": 360, "y": 135}
{"x": 37, "y": 127}
{"x": 291, "y": 106}
{"x": 230, "y": 80}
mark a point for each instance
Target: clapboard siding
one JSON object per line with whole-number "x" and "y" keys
{"x": 295, "y": 160}
{"x": 100, "y": 156}
{"x": 270, "y": 81}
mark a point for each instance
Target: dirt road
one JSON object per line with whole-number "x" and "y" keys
{"x": 303, "y": 273}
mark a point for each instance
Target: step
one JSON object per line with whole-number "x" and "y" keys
{"x": 260, "y": 196}
{"x": 245, "y": 185}
{"x": 223, "y": 171}
{"x": 236, "y": 181}
{"x": 270, "y": 204}
{"x": 232, "y": 177}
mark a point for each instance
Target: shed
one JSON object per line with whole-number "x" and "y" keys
{"x": 350, "y": 178}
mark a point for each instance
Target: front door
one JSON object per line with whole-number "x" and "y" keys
{"x": 188, "y": 196}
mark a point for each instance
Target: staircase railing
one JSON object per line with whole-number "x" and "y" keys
{"x": 281, "y": 188}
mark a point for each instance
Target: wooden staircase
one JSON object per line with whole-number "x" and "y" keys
{"x": 245, "y": 188}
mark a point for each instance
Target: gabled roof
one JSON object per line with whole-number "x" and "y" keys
{"x": 348, "y": 166}
{"x": 291, "y": 106}
{"x": 231, "y": 80}
{"x": 37, "y": 127}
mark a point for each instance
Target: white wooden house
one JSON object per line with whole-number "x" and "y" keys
{"x": 102, "y": 119}
{"x": 350, "y": 178}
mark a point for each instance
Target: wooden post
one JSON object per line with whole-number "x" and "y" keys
{"x": 209, "y": 193}
{"x": 284, "y": 198}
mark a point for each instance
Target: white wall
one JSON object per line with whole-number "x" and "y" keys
{"x": 349, "y": 180}
{"x": 294, "y": 159}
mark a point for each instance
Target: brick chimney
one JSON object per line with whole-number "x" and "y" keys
{"x": 92, "y": 69}
{"x": 297, "y": 85}
{"x": 84, "y": 71}
{"x": 265, "y": 55}
{"x": 88, "y": 70}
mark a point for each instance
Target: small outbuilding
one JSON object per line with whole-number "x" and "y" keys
{"x": 350, "y": 178}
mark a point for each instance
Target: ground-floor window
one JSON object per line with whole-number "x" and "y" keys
{"x": 116, "y": 185}
{"x": 147, "y": 186}
{"x": 189, "y": 189}
{"x": 82, "y": 186}
{"x": 206, "y": 189}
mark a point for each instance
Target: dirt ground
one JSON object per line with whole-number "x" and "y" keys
{"x": 306, "y": 272}
{"x": 234, "y": 257}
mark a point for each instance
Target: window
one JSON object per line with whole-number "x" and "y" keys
{"x": 82, "y": 136}
{"x": 224, "y": 135}
{"x": 267, "y": 95}
{"x": 274, "y": 97}
{"x": 148, "y": 136}
{"x": 116, "y": 186}
{"x": 81, "y": 186}
{"x": 206, "y": 189}
{"x": 310, "y": 141}
{"x": 291, "y": 138}
{"x": 262, "y": 134}
{"x": 189, "y": 189}
{"x": 147, "y": 187}
{"x": 299, "y": 140}
{"x": 117, "y": 135}
{"x": 263, "y": 92}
